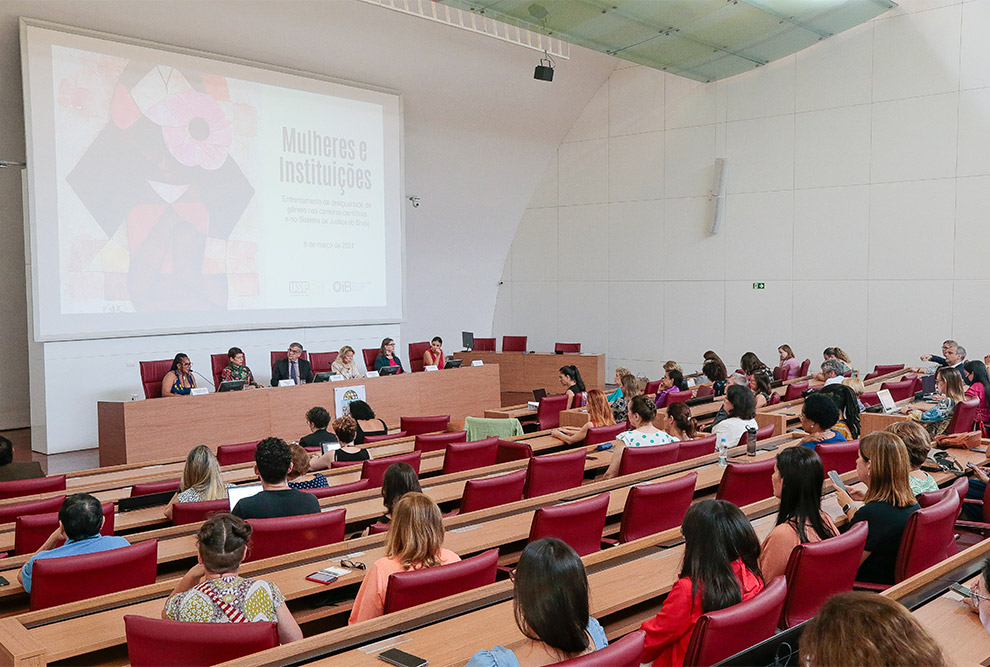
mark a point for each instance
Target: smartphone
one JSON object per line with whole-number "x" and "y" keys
{"x": 834, "y": 476}
{"x": 4, "y": 582}
{"x": 399, "y": 658}
{"x": 970, "y": 464}
{"x": 322, "y": 577}
{"x": 962, "y": 590}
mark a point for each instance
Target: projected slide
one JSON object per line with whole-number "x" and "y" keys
{"x": 192, "y": 193}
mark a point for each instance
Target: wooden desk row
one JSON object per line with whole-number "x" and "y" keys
{"x": 522, "y": 372}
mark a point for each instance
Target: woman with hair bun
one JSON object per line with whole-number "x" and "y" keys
{"x": 212, "y": 591}
{"x": 642, "y": 412}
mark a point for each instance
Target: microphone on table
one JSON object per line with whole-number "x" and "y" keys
{"x": 204, "y": 377}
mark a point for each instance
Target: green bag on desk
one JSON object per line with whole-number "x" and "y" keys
{"x": 479, "y": 428}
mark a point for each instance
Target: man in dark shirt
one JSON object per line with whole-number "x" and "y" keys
{"x": 272, "y": 462}
{"x": 10, "y": 471}
{"x": 318, "y": 419}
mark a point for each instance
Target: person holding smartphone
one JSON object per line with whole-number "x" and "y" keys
{"x": 979, "y": 597}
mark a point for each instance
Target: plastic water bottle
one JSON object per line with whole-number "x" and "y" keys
{"x": 723, "y": 448}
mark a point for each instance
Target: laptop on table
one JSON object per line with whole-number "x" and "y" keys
{"x": 237, "y": 493}
{"x": 887, "y": 402}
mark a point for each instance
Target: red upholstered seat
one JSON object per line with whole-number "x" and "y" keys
{"x": 579, "y": 523}
{"x": 554, "y": 472}
{"x": 218, "y": 362}
{"x": 839, "y": 456}
{"x": 417, "y": 425}
{"x": 625, "y": 652}
{"x": 869, "y": 377}
{"x": 637, "y": 459}
{"x": 567, "y": 348}
{"x": 434, "y": 442}
{"x": 805, "y": 367}
{"x": 720, "y": 634}
{"x": 416, "y": 351}
{"x": 509, "y": 450}
{"x": 705, "y": 390}
{"x": 656, "y": 507}
{"x": 374, "y": 470}
{"x": 484, "y": 345}
{"x": 692, "y": 449}
{"x": 679, "y": 396}
{"x": 869, "y": 398}
{"x": 31, "y": 531}
{"x": 154, "y": 642}
{"x": 774, "y": 398}
{"x": 785, "y": 373}
{"x": 599, "y": 434}
{"x": 275, "y": 355}
{"x": 29, "y": 487}
{"x": 652, "y": 387}
{"x": 899, "y": 391}
{"x": 148, "y": 488}
{"x": 884, "y": 369}
{"x": 778, "y": 371}
{"x": 548, "y": 412}
{"x": 795, "y": 389}
{"x": 745, "y": 483}
{"x": 964, "y": 416}
{"x": 274, "y": 537}
{"x": 580, "y": 399}
{"x": 461, "y": 456}
{"x": 765, "y": 432}
{"x": 57, "y": 581}
{"x": 370, "y": 354}
{"x": 340, "y": 489}
{"x": 513, "y": 343}
{"x": 818, "y": 570}
{"x": 343, "y": 464}
{"x": 152, "y": 374}
{"x": 387, "y": 436}
{"x": 183, "y": 513}
{"x": 408, "y": 589}
{"x": 9, "y": 513}
{"x": 488, "y": 492}
{"x": 240, "y": 453}
{"x": 321, "y": 361}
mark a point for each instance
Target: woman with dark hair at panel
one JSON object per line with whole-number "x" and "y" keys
{"x": 366, "y": 421}
{"x": 818, "y": 416}
{"x": 570, "y": 377}
{"x": 643, "y": 434}
{"x": 861, "y": 628}
{"x": 414, "y": 541}
{"x": 789, "y": 361}
{"x": 599, "y": 414}
{"x": 673, "y": 381}
{"x": 680, "y": 424}
{"x": 179, "y": 380}
{"x": 740, "y": 404}
{"x": 630, "y": 387}
{"x": 918, "y": 444}
{"x": 760, "y": 386}
{"x": 434, "y": 355}
{"x": 952, "y": 390}
{"x": 213, "y": 591}
{"x": 883, "y": 465}
{"x": 797, "y": 481}
{"x": 751, "y": 365}
{"x": 386, "y": 356}
{"x": 847, "y": 401}
{"x": 201, "y": 479}
{"x": 550, "y": 604}
{"x": 715, "y": 373}
{"x": 721, "y": 568}
{"x": 236, "y": 369}
{"x": 975, "y": 373}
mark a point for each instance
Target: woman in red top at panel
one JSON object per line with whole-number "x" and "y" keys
{"x": 434, "y": 355}
{"x": 720, "y": 569}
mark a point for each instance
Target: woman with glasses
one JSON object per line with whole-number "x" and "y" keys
{"x": 386, "y": 356}
{"x": 979, "y": 598}
{"x": 179, "y": 380}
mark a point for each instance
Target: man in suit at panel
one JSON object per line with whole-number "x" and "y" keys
{"x": 292, "y": 367}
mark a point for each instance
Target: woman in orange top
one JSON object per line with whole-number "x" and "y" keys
{"x": 599, "y": 414}
{"x": 414, "y": 541}
{"x": 720, "y": 569}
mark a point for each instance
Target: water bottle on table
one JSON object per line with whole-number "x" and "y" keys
{"x": 723, "y": 447}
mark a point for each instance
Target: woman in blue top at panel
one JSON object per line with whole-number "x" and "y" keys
{"x": 179, "y": 380}
{"x": 550, "y": 601}
{"x": 818, "y": 415}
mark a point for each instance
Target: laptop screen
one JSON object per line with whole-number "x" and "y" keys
{"x": 886, "y": 400}
{"x": 236, "y": 493}
{"x": 928, "y": 384}
{"x": 539, "y": 394}
{"x": 329, "y": 446}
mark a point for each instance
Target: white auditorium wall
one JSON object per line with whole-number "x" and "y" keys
{"x": 859, "y": 186}
{"x": 478, "y": 133}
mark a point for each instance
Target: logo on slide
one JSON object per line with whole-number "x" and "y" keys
{"x": 298, "y": 287}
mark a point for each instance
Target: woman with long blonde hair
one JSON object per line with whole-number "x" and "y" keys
{"x": 599, "y": 414}
{"x": 414, "y": 541}
{"x": 201, "y": 479}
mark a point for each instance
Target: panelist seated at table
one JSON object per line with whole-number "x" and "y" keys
{"x": 273, "y": 462}
{"x": 293, "y": 367}
{"x": 346, "y": 429}
{"x": 236, "y": 370}
{"x": 11, "y": 471}
{"x": 550, "y": 599}
{"x": 570, "y": 377}
{"x": 345, "y": 366}
{"x": 201, "y": 479}
{"x": 386, "y": 356}
{"x": 318, "y": 419}
{"x": 434, "y": 355}
{"x": 179, "y": 380}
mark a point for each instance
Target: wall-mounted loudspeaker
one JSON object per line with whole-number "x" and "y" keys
{"x": 718, "y": 193}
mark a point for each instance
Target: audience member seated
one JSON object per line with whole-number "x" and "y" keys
{"x": 629, "y": 387}
{"x": 414, "y": 541}
{"x": 550, "y": 605}
{"x": 570, "y": 377}
{"x": 951, "y": 390}
{"x": 955, "y": 357}
{"x": 715, "y": 373}
{"x": 345, "y": 366}
{"x": 918, "y": 444}
{"x": 599, "y": 414}
{"x": 273, "y": 462}
{"x": 201, "y": 479}
{"x": 399, "y": 479}
{"x": 846, "y": 400}
{"x": 79, "y": 522}
{"x": 834, "y": 353}
{"x": 11, "y": 471}
{"x": 386, "y": 356}
{"x": 367, "y": 423}
{"x": 643, "y": 434}
{"x": 680, "y": 424}
{"x": 300, "y": 466}
{"x": 619, "y": 372}
{"x": 710, "y": 355}
{"x": 236, "y": 370}
{"x": 760, "y": 386}
{"x": 723, "y": 413}
{"x": 798, "y": 477}
{"x": 978, "y": 600}
{"x": 860, "y": 628}
{"x": 858, "y": 388}
{"x": 346, "y": 429}
{"x": 751, "y": 365}
{"x": 672, "y": 365}
{"x": 739, "y": 404}
{"x": 832, "y": 370}
{"x": 976, "y": 376}
{"x": 935, "y": 359}
{"x": 672, "y": 381}
{"x": 818, "y": 416}
{"x": 212, "y": 591}
{"x": 292, "y": 367}
{"x": 434, "y": 355}
{"x": 789, "y": 361}
{"x": 882, "y": 465}
{"x": 179, "y": 380}
{"x": 318, "y": 419}
{"x": 721, "y": 568}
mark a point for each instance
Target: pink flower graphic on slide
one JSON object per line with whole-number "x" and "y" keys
{"x": 196, "y": 132}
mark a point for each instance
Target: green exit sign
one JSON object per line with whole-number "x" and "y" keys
{"x": 759, "y": 285}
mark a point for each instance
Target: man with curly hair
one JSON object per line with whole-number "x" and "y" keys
{"x": 272, "y": 462}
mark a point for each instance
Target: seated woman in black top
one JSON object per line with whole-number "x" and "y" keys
{"x": 318, "y": 419}
{"x": 400, "y": 479}
{"x": 715, "y": 373}
{"x": 884, "y": 466}
{"x": 346, "y": 429}
{"x": 570, "y": 377}
{"x": 367, "y": 423}
{"x": 386, "y": 356}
